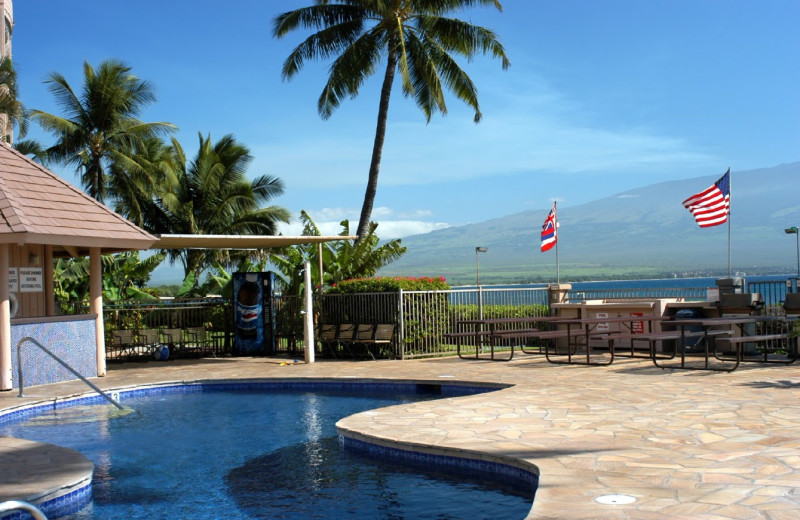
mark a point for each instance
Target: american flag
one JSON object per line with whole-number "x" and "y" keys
{"x": 549, "y": 235}
{"x": 711, "y": 207}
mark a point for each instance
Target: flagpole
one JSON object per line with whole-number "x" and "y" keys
{"x": 730, "y": 204}
{"x": 555, "y": 224}
{"x": 558, "y": 273}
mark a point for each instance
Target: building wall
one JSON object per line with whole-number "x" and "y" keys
{"x": 71, "y": 339}
{"x": 6, "y": 128}
{"x": 30, "y": 300}
{"x": 8, "y": 25}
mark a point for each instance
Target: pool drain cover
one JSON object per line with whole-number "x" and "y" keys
{"x": 615, "y": 499}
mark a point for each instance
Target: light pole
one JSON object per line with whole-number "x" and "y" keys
{"x": 477, "y": 264}
{"x": 794, "y": 231}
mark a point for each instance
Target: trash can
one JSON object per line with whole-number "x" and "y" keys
{"x": 694, "y": 343}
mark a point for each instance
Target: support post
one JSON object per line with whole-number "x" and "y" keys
{"x": 96, "y": 305}
{"x": 308, "y": 317}
{"x": 5, "y": 321}
{"x": 49, "y": 282}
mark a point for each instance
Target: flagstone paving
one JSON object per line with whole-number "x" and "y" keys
{"x": 683, "y": 444}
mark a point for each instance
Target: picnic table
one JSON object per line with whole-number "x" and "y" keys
{"x": 488, "y": 328}
{"x": 721, "y": 329}
{"x": 588, "y": 328}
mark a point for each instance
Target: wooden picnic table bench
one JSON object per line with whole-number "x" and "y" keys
{"x": 769, "y": 343}
{"x": 458, "y": 336}
{"x": 652, "y": 338}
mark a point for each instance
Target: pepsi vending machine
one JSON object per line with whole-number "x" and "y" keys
{"x": 254, "y": 313}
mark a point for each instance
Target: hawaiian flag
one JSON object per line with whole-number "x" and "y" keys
{"x": 711, "y": 206}
{"x": 549, "y": 235}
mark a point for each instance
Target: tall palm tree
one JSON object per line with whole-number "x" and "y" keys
{"x": 211, "y": 195}
{"x": 418, "y": 43}
{"x": 12, "y": 110}
{"x": 100, "y": 125}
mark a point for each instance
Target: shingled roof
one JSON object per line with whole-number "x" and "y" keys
{"x": 38, "y": 207}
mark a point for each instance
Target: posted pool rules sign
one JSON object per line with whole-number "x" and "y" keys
{"x": 31, "y": 279}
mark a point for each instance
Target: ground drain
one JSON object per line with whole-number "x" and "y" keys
{"x": 615, "y": 499}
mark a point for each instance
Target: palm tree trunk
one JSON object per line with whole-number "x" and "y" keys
{"x": 377, "y": 147}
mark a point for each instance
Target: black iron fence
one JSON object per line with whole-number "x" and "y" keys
{"x": 422, "y": 320}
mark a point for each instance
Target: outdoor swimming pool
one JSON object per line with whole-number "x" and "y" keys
{"x": 246, "y": 451}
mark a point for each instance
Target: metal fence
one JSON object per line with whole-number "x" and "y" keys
{"x": 215, "y": 314}
{"x": 423, "y": 320}
{"x": 773, "y": 293}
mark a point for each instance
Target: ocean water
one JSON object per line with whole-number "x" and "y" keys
{"x": 772, "y": 287}
{"x": 669, "y": 283}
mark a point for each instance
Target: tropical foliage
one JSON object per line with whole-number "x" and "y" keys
{"x": 10, "y": 107}
{"x": 124, "y": 277}
{"x": 341, "y": 259}
{"x": 211, "y": 195}
{"x": 100, "y": 129}
{"x": 418, "y": 42}
{"x": 390, "y": 284}
{"x": 220, "y": 281}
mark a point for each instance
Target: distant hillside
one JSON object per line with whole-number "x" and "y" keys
{"x": 638, "y": 233}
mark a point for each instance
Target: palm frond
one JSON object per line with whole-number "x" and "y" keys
{"x": 349, "y": 71}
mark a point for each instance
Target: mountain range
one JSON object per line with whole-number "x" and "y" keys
{"x": 640, "y": 233}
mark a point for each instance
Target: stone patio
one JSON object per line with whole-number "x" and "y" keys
{"x": 684, "y": 444}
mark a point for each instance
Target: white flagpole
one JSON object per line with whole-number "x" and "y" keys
{"x": 730, "y": 205}
{"x": 555, "y": 230}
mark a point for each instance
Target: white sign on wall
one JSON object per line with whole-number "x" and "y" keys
{"x": 31, "y": 279}
{"x": 602, "y": 327}
{"x": 13, "y": 279}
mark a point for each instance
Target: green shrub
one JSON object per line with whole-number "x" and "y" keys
{"x": 386, "y": 284}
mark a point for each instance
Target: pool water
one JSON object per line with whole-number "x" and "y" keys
{"x": 257, "y": 454}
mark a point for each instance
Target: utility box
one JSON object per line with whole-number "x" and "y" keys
{"x": 740, "y": 303}
{"x": 619, "y": 308}
{"x": 730, "y": 285}
{"x": 254, "y": 314}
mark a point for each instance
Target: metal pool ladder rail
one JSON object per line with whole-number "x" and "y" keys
{"x": 63, "y": 363}
{"x": 11, "y": 505}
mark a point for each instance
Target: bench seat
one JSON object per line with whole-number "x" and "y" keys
{"x": 772, "y": 342}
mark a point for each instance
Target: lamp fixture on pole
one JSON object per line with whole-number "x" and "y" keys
{"x": 477, "y": 264}
{"x": 794, "y": 231}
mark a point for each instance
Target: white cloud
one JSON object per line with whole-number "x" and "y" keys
{"x": 402, "y": 228}
{"x": 391, "y": 224}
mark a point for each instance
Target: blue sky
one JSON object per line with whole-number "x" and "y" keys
{"x": 602, "y": 96}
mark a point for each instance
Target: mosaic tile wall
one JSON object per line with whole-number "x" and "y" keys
{"x": 73, "y": 341}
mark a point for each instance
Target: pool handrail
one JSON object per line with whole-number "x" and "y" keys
{"x": 63, "y": 363}
{"x": 11, "y": 505}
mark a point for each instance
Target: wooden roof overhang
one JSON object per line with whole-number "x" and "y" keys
{"x": 39, "y": 207}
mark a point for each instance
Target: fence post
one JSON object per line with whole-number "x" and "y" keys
{"x": 401, "y": 333}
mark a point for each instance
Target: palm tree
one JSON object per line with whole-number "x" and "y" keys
{"x": 418, "y": 42}
{"x": 211, "y": 195}
{"x": 100, "y": 126}
{"x": 138, "y": 179}
{"x": 12, "y": 110}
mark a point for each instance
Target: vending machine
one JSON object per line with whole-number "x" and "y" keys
{"x": 254, "y": 314}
